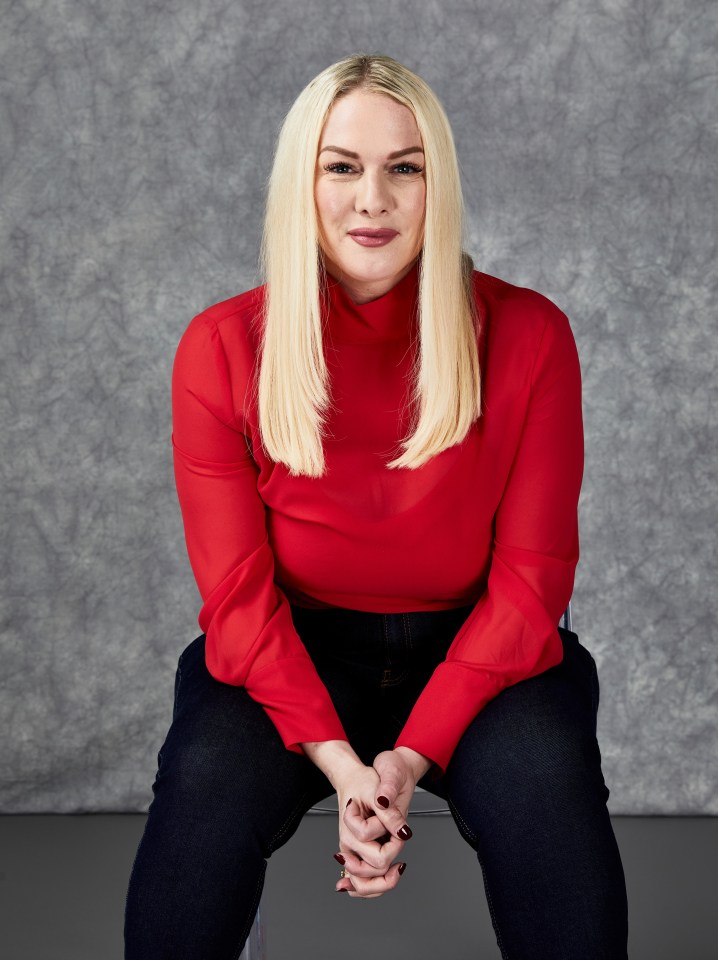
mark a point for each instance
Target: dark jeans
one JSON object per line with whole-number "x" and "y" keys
{"x": 524, "y": 787}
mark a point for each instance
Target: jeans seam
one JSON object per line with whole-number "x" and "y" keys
{"x": 494, "y": 919}
{"x": 178, "y": 680}
{"x": 395, "y": 681}
{"x": 469, "y": 833}
{"x": 387, "y": 648}
{"x": 251, "y": 914}
{"x": 407, "y": 632}
{"x": 287, "y": 823}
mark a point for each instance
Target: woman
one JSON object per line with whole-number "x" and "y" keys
{"x": 378, "y": 457}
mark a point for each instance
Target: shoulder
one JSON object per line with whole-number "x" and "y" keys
{"x": 216, "y": 354}
{"x": 524, "y": 336}
{"x": 519, "y": 322}
{"x": 229, "y": 329}
{"x": 516, "y": 310}
{"x": 235, "y": 318}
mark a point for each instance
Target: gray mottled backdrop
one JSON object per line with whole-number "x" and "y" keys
{"x": 135, "y": 143}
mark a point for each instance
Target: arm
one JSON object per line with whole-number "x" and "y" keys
{"x": 512, "y": 632}
{"x": 250, "y": 637}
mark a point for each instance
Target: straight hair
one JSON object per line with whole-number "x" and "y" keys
{"x": 292, "y": 386}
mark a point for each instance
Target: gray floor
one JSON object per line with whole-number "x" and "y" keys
{"x": 63, "y": 881}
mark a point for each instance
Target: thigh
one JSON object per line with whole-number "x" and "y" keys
{"x": 526, "y": 790}
{"x": 224, "y": 762}
{"x": 227, "y": 794}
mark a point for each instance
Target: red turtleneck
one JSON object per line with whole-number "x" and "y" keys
{"x": 491, "y": 521}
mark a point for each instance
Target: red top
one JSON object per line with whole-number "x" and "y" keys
{"x": 491, "y": 521}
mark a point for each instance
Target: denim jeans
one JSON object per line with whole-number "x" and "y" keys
{"x": 524, "y": 786}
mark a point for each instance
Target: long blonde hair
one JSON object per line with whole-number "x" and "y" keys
{"x": 293, "y": 393}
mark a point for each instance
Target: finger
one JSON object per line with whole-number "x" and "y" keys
{"x": 391, "y": 819}
{"x": 375, "y": 863}
{"x": 391, "y": 781}
{"x": 374, "y": 887}
{"x": 375, "y": 825}
{"x": 366, "y": 825}
{"x": 367, "y": 858}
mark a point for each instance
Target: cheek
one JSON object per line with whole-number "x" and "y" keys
{"x": 328, "y": 204}
{"x": 419, "y": 209}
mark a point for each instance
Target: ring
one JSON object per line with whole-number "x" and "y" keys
{"x": 342, "y": 874}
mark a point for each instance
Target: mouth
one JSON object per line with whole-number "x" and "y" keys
{"x": 372, "y": 238}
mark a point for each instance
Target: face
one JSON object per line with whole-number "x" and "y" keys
{"x": 370, "y": 193}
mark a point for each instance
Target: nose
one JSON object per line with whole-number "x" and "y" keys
{"x": 372, "y": 195}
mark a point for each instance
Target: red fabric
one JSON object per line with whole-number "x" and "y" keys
{"x": 492, "y": 521}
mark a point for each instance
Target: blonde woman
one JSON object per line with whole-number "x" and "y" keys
{"x": 378, "y": 456}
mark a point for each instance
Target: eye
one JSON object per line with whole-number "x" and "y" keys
{"x": 335, "y": 167}
{"x": 407, "y": 168}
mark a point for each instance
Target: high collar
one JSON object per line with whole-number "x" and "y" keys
{"x": 389, "y": 317}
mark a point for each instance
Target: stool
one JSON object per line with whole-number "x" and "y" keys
{"x": 423, "y": 804}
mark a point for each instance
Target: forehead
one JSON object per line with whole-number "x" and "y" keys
{"x": 363, "y": 119}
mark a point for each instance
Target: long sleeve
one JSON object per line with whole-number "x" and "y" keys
{"x": 512, "y": 632}
{"x": 250, "y": 638}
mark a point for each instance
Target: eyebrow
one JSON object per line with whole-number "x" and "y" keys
{"x": 391, "y": 156}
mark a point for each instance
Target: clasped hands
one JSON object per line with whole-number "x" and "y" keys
{"x": 373, "y": 806}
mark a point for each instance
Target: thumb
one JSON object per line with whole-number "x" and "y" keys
{"x": 391, "y": 780}
{"x": 389, "y": 785}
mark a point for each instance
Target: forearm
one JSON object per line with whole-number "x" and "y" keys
{"x": 332, "y": 757}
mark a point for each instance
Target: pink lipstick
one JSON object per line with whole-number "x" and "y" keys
{"x": 372, "y": 238}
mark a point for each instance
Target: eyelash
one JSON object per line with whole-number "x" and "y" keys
{"x": 413, "y": 168}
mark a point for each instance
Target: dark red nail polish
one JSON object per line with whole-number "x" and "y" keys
{"x": 348, "y": 802}
{"x": 383, "y": 801}
{"x": 341, "y": 890}
{"x": 405, "y": 832}
{"x": 339, "y": 858}
{"x": 402, "y": 867}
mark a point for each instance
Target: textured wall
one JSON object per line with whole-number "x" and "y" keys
{"x": 135, "y": 142}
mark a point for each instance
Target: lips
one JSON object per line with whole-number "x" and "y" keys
{"x": 373, "y": 234}
{"x": 378, "y": 237}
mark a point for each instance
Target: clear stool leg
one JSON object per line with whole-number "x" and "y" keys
{"x": 254, "y": 947}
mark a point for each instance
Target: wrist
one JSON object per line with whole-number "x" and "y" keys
{"x": 333, "y": 757}
{"x": 419, "y": 763}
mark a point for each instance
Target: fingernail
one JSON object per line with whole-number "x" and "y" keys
{"x": 402, "y": 867}
{"x": 341, "y": 890}
{"x": 348, "y": 802}
{"x": 340, "y": 858}
{"x": 383, "y": 801}
{"x": 405, "y": 832}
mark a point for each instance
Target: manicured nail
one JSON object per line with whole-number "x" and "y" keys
{"x": 341, "y": 890}
{"x": 340, "y": 858}
{"x": 383, "y": 801}
{"x": 402, "y": 867}
{"x": 348, "y": 802}
{"x": 405, "y": 832}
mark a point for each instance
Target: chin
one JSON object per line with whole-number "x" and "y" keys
{"x": 365, "y": 269}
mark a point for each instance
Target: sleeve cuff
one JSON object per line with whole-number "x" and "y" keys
{"x": 451, "y": 699}
{"x": 297, "y": 702}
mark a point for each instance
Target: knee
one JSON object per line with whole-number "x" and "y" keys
{"x": 542, "y": 760}
{"x": 197, "y": 771}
